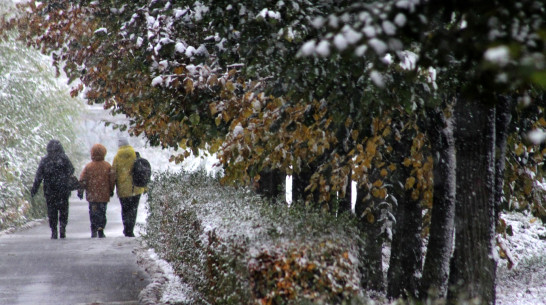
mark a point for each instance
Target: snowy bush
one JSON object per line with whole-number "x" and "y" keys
{"x": 35, "y": 108}
{"x": 240, "y": 250}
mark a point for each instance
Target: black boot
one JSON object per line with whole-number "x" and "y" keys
{"x": 62, "y": 232}
{"x": 53, "y": 233}
{"x": 93, "y": 234}
{"x": 101, "y": 233}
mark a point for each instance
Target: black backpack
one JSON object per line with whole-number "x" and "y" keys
{"x": 142, "y": 171}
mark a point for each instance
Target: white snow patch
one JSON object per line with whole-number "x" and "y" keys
{"x": 379, "y": 46}
{"x": 537, "y": 136}
{"x": 157, "y": 81}
{"x": 351, "y": 35}
{"x": 139, "y": 42}
{"x": 308, "y": 48}
{"x": 190, "y": 51}
{"x": 498, "y": 55}
{"x": 101, "y": 31}
{"x": 388, "y": 27}
{"x": 377, "y": 79}
{"x": 369, "y": 31}
{"x": 238, "y": 130}
{"x": 323, "y": 48}
{"x": 340, "y": 42}
{"x": 180, "y": 47}
{"x": 400, "y": 20}
{"x": 266, "y": 13}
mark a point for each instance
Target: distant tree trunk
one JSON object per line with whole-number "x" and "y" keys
{"x": 440, "y": 244}
{"x": 473, "y": 267}
{"x": 406, "y": 247}
{"x": 270, "y": 183}
{"x": 502, "y": 121}
{"x": 372, "y": 265}
{"x": 345, "y": 204}
{"x": 300, "y": 181}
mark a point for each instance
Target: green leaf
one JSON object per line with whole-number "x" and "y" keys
{"x": 539, "y": 78}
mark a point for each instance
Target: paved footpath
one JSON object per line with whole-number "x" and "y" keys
{"x": 35, "y": 269}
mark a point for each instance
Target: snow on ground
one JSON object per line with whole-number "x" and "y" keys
{"x": 525, "y": 283}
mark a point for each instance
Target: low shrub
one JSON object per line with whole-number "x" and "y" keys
{"x": 233, "y": 248}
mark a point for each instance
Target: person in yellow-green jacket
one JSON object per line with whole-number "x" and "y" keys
{"x": 129, "y": 195}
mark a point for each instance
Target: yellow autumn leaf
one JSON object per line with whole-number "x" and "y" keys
{"x": 407, "y": 162}
{"x": 213, "y": 80}
{"x": 212, "y": 108}
{"x": 384, "y": 173}
{"x": 415, "y": 195}
{"x": 520, "y": 149}
{"x": 392, "y": 167}
{"x": 354, "y": 135}
{"x": 383, "y": 193}
{"x": 542, "y": 122}
{"x": 179, "y": 70}
{"x": 533, "y": 220}
{"x": 376, "y": 193}
{"x": 371, "y": 148}
{"x": 387, "y": 131}
{"x": 188, "y": 85}
{"x": 410, "y": 182}
{"x": 230, "y": 86}
{"x": 370, "y": 218}
{"x": 378, "y": 183}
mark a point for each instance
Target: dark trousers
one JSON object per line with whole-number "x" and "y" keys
{"x": 129, "y": 207}
{"x": 57, "y": 212}
{"x": 97, "y": 215}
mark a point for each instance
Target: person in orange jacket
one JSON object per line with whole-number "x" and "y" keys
{"x": 98, "y": 181}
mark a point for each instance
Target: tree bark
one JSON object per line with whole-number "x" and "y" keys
{"x": 440, "y": 245}
{"x": 406, "y": 247}
{"x": 473, "y": 267}
{"x": 345, "y": 204}
{"x": 502, "y": 121}
{"x": 372, "y": 264}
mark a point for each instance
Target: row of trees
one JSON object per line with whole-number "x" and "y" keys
{"x": 416, "y": 101}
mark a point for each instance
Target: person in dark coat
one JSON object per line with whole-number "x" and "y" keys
{"x": 55, "y": 170}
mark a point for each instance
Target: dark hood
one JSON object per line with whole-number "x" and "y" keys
{"x": 54, "y": 147}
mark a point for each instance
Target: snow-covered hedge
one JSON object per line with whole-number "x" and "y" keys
{"x": 34, "y": 108}
{"x": 232, "y": 248}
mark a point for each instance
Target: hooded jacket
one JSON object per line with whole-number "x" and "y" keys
{"x": 97, "y": 178}
{"x": 123, "y": 169}
{"x": 54, "y": 170}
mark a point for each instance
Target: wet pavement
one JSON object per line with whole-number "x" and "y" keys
{"x": 35, "y": 269}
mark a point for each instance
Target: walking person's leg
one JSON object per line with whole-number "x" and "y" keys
{"x": 101, "y": 218}
{"x": 93, "y": 219}
{"x": 53, "y": 218}
{"x": 63, "y": 216}
{"x": 125, "y": 207}
{"x": 129, "y": 208}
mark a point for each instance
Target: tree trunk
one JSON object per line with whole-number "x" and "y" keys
{"x": 406, "y": 247}
{"x": 440, "y": 244}
{"x": 372, "y": 264}
{"x": 503, "y": 118}
{"x": 473, "y": 267}
{"x": 270, "y": 184}
{"x": 345, "y": 204}
{"x": 300, "y": 181}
